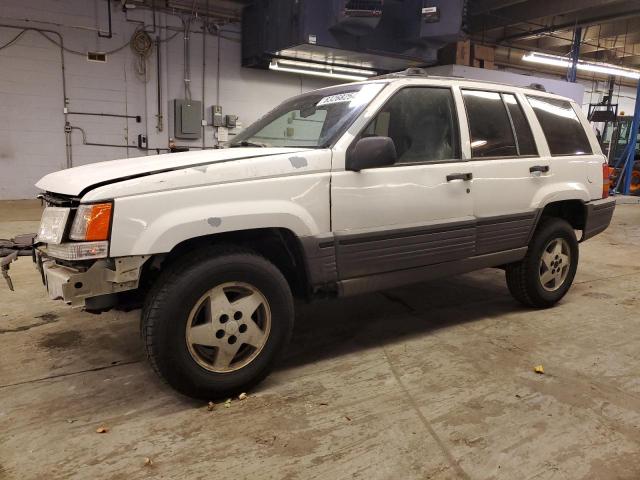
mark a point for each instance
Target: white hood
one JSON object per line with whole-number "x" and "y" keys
{"x": 76, "y": 180}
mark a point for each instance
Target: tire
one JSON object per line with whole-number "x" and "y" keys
{"x": 188, "y": 327}
{"x": 531, "y": 281}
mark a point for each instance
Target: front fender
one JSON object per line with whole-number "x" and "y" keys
{"x": 152, "y": 224}
{"x": 177, "y": 226}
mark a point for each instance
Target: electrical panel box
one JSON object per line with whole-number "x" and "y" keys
{"x": 187, "y": 119}
{"x": 217, "y": 120}
{"x": 231, "y": 121}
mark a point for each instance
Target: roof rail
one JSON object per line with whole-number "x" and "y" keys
{"x": 414, "y": 72}
{"x": 537, "y": 86}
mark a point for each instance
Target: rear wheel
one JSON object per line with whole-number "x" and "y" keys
{"x": 546, "y": 273}
{"x": 217, "y": 321}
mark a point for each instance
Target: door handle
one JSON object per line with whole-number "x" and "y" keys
{"x": 459, "y": 176}
{"x": 539, "y": 168}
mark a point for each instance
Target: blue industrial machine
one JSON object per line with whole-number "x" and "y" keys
{"x": 380, "y": 35}
{"x": 624, "y": 153}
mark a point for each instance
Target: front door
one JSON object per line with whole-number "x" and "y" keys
{"x": 417, "y": 212}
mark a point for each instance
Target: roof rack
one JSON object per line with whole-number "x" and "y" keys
{"x": 537, "y": 86}
{"x": 414, "y": 72}
{"x": 421, "y": 72}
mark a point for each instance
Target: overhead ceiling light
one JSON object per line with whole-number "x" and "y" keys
{"x": 317, "y": 70}
{"x": 604, "y": 68}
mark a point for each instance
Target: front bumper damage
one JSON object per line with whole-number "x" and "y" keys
{"x": 11, "y": 249}
{"x": 92, "y": 285}
{"x": 76, "y": 285}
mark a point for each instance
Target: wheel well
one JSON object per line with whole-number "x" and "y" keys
{"x": 573, "y": 211}
{"x": 278, "y": 245}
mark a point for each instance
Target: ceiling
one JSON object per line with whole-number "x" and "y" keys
{"x": 228, "y": 11}
{"x": 610, "y": 28}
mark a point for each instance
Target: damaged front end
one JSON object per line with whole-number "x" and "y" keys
{"x": 71, "y": 253}
{"x": 10, "y": 250}
{"x": 93, "y": 285}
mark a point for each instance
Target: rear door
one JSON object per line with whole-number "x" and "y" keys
{"x": 508, "y": 170}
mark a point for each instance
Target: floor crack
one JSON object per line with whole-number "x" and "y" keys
{"x": 52, "y": 377}
{"x": 452, "y": 461}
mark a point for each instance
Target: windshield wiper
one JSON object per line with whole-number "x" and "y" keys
{"x": 246, "y": 143}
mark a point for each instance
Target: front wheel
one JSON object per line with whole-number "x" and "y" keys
{"x": 217, "y": 321}
{"x": 546, "y": 273}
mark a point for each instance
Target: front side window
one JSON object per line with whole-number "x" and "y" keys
{"x": 314, "y": 120}
{"x": 422, "y": 123}
{"x": 562, "y": 127}
{"x": 489, "y": 125}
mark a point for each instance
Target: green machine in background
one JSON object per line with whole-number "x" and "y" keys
{"x": 622, "y": 152}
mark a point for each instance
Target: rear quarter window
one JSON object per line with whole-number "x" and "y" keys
{"x": 561, "y": 126}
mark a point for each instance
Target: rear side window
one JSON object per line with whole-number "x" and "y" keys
{"x": 526, "y": 144}
{"x": 561, "y": 126}
{"x": 489, "y": 125}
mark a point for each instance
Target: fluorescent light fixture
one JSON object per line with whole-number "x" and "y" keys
{"x": 317, "y": 70}
{"x": 604, "y": 68}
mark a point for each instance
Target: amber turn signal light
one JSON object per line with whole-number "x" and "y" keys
{"x": 92, "y": 222}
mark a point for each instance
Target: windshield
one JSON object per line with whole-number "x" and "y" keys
{"x": 312, "y": 120}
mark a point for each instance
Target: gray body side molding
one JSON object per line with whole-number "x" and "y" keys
{"x": 387, "y": 280}
{"x": 384, "y": 258}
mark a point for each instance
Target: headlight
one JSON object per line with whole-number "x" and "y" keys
{"x": 53, "y": 225}
{"x": 92, "y": 222}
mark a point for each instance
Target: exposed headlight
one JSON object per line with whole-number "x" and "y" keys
{"x": 53, "y": 225}
{"x": 78, "y": 251}
{"x": 92, "y": 222}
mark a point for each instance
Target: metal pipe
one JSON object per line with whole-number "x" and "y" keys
{"x": 153, "y": 12}
{"x": 94, "y": 144}
{"x": 218, "y": 66}
{"x": 110, "y": 34}
{"x": 186, "y": 66}
{"x": 138, "y": 118}
{"x": 204, "y": 69}
{"x": 159, "y": 117}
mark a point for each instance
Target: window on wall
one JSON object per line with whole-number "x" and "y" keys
{"x": 562, "y": 127}
{"x": 525, "y": 142}
{"x": 422, "y": 123}
{"x": 489, "y": 125}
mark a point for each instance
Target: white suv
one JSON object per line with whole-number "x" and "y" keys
{"x": 336, "y": 192}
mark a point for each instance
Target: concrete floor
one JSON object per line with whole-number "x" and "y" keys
{"x": 434, "y": 381}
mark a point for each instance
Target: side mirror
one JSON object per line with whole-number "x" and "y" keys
{"x": 371, "y": 152}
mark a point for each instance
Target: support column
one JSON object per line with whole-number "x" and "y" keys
{"x": 575, "y": 54}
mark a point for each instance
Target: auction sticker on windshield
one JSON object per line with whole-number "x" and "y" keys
{"x": 339, "y": 98}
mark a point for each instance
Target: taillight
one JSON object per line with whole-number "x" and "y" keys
{"x": 606, "y": 182}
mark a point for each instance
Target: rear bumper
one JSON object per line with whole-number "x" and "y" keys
{"x": 598, "y": 217}
{"x": 76, "y": 285}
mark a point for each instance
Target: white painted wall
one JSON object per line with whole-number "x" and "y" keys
{"x": 32, "y": 140}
